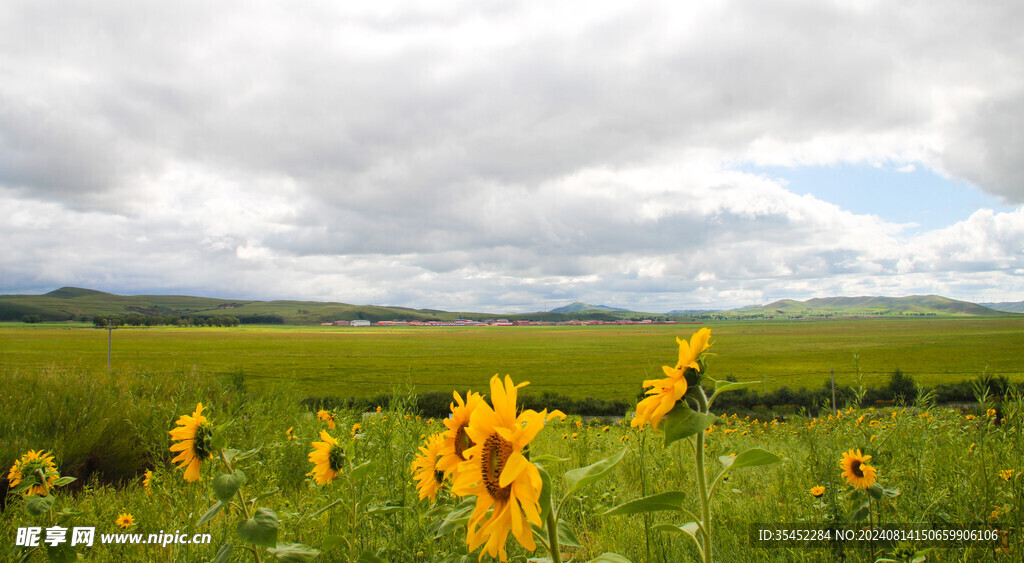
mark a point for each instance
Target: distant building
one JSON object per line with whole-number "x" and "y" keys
{"x": 340, "y": 323}
{"x": 359, "y": 322}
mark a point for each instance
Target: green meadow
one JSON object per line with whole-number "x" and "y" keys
{"x": 600, "y": 361}
{"x": 934, "y": 465}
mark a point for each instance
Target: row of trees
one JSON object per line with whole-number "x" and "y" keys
{"x": 163, "y": 320}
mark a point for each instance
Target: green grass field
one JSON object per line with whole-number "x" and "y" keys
{"x": 949, "y": 465}
{"x": 604, "y": 362}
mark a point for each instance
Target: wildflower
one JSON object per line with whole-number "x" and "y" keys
{"x": 125, "y": 521}
{"x": 456, "y": 440}
{"x": 970, "y": 417}
{"x": 378, "y": 409}
{"x": 605, "y": 429}
{"x": 289, "y": 435}
{"x": 971, "y": 448}
{"x": 579, "y": 424}
{"x": 356, "y": 427}
{"x": 327, "y": 458}
{"x": 328, "y": 418}
{"x": 624, "y": 438}
{"x": 499, "y": 475}
{"x": 27, "y": 470}
{"x": 147, "y": 481}
{"x": 874, "y": 423}
{"x": 574, "y": 435}
{"x": 817, "y": 491}
{"x": 425, "y": 469}
{"x": 856, "y": 471}
{"x": 565, "y": 436}
{"x": 990, "y": 413}
{"x": 710, "y": 429}
{"x": 665, "y": 393}
{"x": 430, "y": 421}
{"x": 194, "y": 437}
{"x": 1006, "y": 474}
{"x": 860, "y": 419}
{"x": 872, "y": 439}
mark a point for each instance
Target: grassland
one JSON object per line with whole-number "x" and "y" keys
{"x": 601, "y": 361}
{"x": 949, "y": 467}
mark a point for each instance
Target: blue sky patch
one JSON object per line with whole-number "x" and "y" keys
{"x": 894, "y": 193}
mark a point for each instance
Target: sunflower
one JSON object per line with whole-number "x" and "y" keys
{"x": 147, "y": 482}
{"x": 456, "y": 441}
{"x": 125, "y": 521}
{"x": 327, "y": 457}
{"x": 326, "y": 417}
{"x": 194, "y": 442}
{"x": 817, "y": 491}
{"x": 665, "y": 393}
{"x": 857, "y": 472}
{"x": 26, "y": 471}
{"x": 506, "y": 485}
{"x": 425, "y": 469}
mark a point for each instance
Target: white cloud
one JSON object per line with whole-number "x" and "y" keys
{"x": 482, "y": 155}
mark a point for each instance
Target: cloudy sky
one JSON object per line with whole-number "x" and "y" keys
{"x": 507, "y": 156}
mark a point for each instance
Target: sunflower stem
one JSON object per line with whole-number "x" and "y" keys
{"x": 702, "y": 481}
{"x": 241, "y": 499}
{"x": 553, "y": 548}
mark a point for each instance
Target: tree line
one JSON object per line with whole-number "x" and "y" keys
{"x": 105, "y": 321}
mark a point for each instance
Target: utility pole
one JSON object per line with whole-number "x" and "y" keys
{"x": 110, "y": 330}
{"x": 833, "y": 370}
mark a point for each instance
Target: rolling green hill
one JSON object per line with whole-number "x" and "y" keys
{"x": 72, "y": 303}
{"x": 915, "y": 305}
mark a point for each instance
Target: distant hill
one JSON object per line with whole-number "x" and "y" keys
{"x": 578, "y": 307}
{"x": 915, "y": 305}
{"x": 1006, "y": 306}
{"x": 73, "y": 303}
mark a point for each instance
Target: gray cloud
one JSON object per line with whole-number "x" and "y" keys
{"x": 497, "y": 154}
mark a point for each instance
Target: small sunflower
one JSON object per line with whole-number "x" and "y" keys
{"x": 1006, "y": 474}
{"x": 194, "y": 442}
{"x": 665, "y": 393}
{"x": 425, "y": 468}
{"x": 856, "y": 471}
{"x": 327, "y": 458}
{"x": 147, "y": 481}
{"x": 125, "y": 521}
{"x": 507, "y": 486}
{"x": 327, "y": 417}
{"x": 817, "y": 491}
{"x": 26, "y": 471}
{"x": 456, "y": 440}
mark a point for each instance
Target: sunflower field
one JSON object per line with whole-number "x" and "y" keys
{"x": 194, "y": 467}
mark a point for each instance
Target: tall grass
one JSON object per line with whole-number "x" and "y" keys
{"x": 107, "y": 430}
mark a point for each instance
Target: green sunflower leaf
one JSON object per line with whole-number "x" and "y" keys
{"x": 225, "y": 485}
{"x": 360, "y": 470}
{"x": 210, "y": 513}
{"x": 672, "y": 500}
{"x": 224, "y": 553}
{"x": 683, "y": 422}
{"x": 749, "y": 458}
{"x": 457, "y": 518}
{"x": 36, "y": 505}
{"x": 726, "y": 386}
{"x": 63, "y": 481}
{"x": 578, "y": 478}
{"x": 294, "y": 552}
{"x": 547, "y": 459}
{"x": 261, "y": 529}
{"x": 690, "y": 528}
{"x": 545, "y": 494}
{"x": 566, "y": 537}
{"x": 610, "y": 558}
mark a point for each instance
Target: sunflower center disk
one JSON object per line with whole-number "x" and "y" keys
{"x": 336, "y": 458}
{"x": 439, "y": 476}
{"x": 462, "y": 442}
{"x": 203, "y": 444}
{"x": 855, "y": 469}
{"x": 496, "y": 452}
